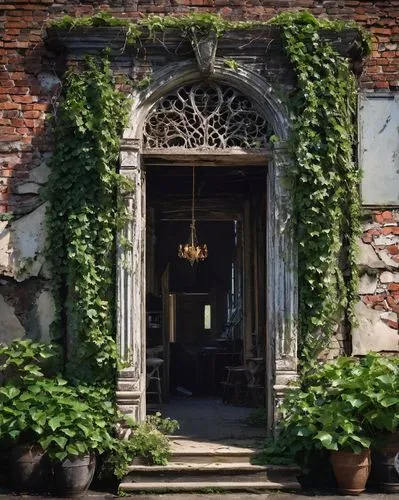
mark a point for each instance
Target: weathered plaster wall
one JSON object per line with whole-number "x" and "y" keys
{"x": 29, "y": 88}
{"x": 378, "y": 306}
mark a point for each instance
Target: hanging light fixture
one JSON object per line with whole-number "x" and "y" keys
{"x": 192, "y": 250}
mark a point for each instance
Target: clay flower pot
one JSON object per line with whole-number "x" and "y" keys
{"x": 351, "y": 470}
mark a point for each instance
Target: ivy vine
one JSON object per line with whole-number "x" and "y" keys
{"x": 83, "y": 217}
{"x": 325, "y": 180}
{"x": 84, "y": 213}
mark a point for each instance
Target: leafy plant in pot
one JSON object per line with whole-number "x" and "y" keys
{"x": 53, "y": 419}
{"x": 325, "y": 413}
{"x": 380, "y": 379}
{"x": 21, "y": 413}
{"x": 78, "y": 426}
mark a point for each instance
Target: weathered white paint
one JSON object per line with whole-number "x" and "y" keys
{"x": 372, "y": 333}
{"x": 281, "y": 287}
{"x": 387, "y": 259}
{"x": 131, "y": 290}
{"x": 388, "y": 277}
{"x": 48, "y": 80}
{"x": 22, "y": 245}
{"x": 27, "y": 242}
{"x": 5, "y": 249}
{"x": 379, "y": 147}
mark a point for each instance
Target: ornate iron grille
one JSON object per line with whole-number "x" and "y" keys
{"x": 208, "y": 116}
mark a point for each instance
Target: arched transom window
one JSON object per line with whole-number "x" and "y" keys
{"x": 205, "y": 115}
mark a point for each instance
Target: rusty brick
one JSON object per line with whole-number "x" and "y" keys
{"x": 393, "y": 249}
{"x": 24, "y": 98}
{"x": 17, "y": 122}
{"x": 387, "y": 215}
{"x": 32, "y": 114}
{"x": 382, "y": 85}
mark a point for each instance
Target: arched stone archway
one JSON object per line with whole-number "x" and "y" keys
{"x": 281, "y": 334}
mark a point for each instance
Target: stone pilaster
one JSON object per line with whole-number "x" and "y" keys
{"x": 131, "y": 289}
{"x": 282, "y": 281}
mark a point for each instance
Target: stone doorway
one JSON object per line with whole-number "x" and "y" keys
{"x": 181, "y": 121}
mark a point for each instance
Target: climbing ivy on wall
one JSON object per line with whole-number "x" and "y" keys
{"x": 84, "y": 213}
{"x": 82, "y": 218}
{"x": 325, "y": 180}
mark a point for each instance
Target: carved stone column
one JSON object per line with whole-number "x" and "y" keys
{"x": 130, "y": 393}
{"x": 281, "y": 283}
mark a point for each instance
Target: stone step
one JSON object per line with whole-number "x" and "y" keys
{"x": 212, "y": 485}
{"x": 213, "y": 472}
{"x": 197, "y": 465}
{"x": 200, "y": 452}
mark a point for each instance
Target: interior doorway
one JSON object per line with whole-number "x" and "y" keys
{"x": 204, "y": 317}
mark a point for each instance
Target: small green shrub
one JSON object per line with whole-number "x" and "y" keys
{"x": 165, "y": 425}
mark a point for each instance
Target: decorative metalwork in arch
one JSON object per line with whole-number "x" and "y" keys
{"x": 205, "y": 115}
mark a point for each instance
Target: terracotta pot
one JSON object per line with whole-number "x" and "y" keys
{"x": 351, "y": 470}
{"x": 30, "y": 469}
{"x": 74, "y": 475}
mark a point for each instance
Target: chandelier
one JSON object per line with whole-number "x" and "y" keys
{"x": 192, "y": 250}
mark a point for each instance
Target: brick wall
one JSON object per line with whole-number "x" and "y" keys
{"x": 26, "y": 67}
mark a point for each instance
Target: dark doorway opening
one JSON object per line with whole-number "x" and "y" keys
{"x": 205, "y": 317}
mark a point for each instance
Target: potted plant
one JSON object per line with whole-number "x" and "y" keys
{"x": 380, "y": 378}
{"x": 325, "y": 412}
{"x": 79, "y": 425}
{"x": 21, "y": 414}
{"x": 48, "y": 418}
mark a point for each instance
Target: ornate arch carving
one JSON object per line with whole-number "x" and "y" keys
{"x": 206, "y": 115}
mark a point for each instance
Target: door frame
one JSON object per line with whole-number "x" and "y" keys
{"x": 281, "y": 308}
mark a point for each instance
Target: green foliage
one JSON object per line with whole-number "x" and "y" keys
{"x": 25, "y": 360}
{"x": 60, "y": 417}
{"x": 147, "y": 440}
{"x": 230, "y": 63}
{"x": 165, "y": 425}
{"x": 201, "y": 23}
{"x": 39, "y": 407}
{"x": 324, "y": 179}
{"x": 83, "y": 218}
{"x": 101, "y": 19}
{"x": 346, "y": 404}
{"x": 143, "y": 83}
{"x": 6, "y": 216}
